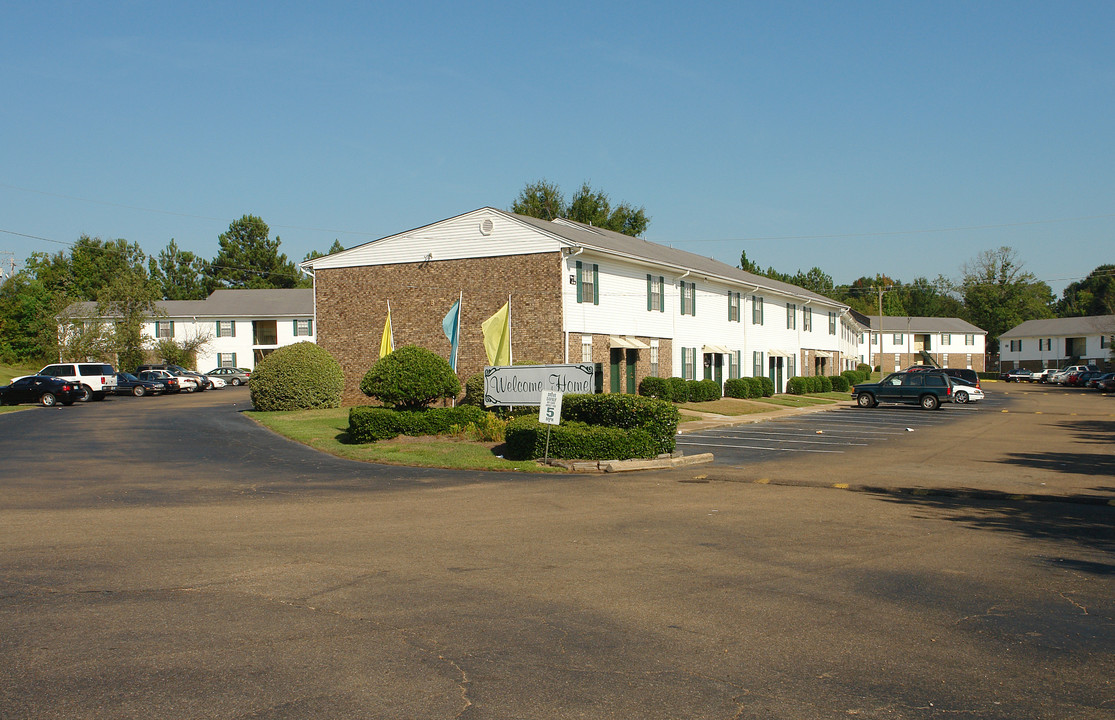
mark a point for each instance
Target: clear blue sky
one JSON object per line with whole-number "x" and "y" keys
{"x": 896, "y": 137}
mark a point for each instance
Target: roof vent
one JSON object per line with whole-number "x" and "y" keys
{"x": 486, "y": 226}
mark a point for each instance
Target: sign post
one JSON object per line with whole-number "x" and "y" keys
{"x": 549, "y": 413}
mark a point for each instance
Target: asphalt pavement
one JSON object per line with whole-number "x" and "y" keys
{"x": 166, "y": 557}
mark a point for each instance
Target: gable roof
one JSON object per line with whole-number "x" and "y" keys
{"x": 1090, "y": 325}
{"x": 563, "y": 233}
{"x": 912, "y": 324}
{"x": 233, "y": 304}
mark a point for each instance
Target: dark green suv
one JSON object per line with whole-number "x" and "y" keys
{"x": 928, "y": 389}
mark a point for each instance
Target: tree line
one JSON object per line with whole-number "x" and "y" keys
{"x": 125, "y": 283}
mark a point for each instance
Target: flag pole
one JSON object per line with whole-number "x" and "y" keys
{"x": 460, "y": 308}
{"x": 392, "y": 326}
{"x": 510, "y": 356}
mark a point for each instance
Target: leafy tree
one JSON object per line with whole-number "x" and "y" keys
{"x": 336, "y": 247}
{"x": 1094, "y": 295}
{"x": 129, "y": 300}
{"x": 181, "y": 274}
{"x": 28, "y": 328}
{"x": 747, "y": 265}
{"x": 999, "y": 294}
{"x": 544, "y": 200}
{"x": 815, "y": 280}
{"x": 250, "y": 259}
{"x": 541, "y": 199}
{"x": 90, "y": 266}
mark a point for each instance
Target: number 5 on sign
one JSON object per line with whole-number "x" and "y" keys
{"x": 549, "y": 410}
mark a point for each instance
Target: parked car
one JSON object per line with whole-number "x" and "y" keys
{"x": 171, "y": 382}
{"x": 1081, "y": 379}
{"x": 128, "y": 384}
{"x": 1044, "y": 375}
{"x": 970, "y": 377}
{"x": 1094, "y": 382}
{"x": 95, "y": 379}
{"x": 926, "y": 388}
{"x": 232, "y": 375}
{"x": 200, "y": 382}
{"x": 217, "y": 382}
{"x": 1017, "y": 375}
{"x": 1059, "y": 377}
{"x": 47, "y": 390}
{"x": 964, "y": 393}
{"x": 1107, "y": 385}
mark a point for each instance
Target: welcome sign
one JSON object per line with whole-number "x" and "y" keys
{"x": 524, "y": 384}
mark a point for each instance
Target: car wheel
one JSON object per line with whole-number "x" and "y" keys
{"x": 86, "y": 393}
{"x": 138, "y": 391}
{"x": 960, "y": 397}
{"x": 236, "y": 381}
{"x": 930, "y": 402}
{"x": 865, "y": 400}
{"x": 48, "y": 400}
{"x": 190, "y": 388}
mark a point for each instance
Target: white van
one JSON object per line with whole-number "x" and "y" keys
{"x": 96, "y": 379}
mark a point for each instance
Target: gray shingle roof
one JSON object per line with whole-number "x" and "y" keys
{"x": 1091, "y": 325}
{"x": 640, "y": 249}
{"x": 298, "y": 302}
{"x": 903, "y": 323}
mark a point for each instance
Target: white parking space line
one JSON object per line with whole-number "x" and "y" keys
{"x": 785, "y": 440}
{"x": 759, "y": 447}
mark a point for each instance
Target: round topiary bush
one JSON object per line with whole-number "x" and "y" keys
{"x": 655, "y": 387}
{"x": 297, "y": 377}
{"x": 474, "y": 391}
{"x": 410, "y": 379}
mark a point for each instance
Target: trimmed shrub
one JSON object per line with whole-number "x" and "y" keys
{"x": 679, "y": 390}
{"x": 410, "y": 378}
{"x": 865, "y": 369}
{"x": 655, "y": 387}
{"x": 297, "y": 377}
{"x": 767, "y": 386}
{"x": 704, "y": 391}
{"x": 474, "y": 391}
{"x": 625, "y": 412}
{"x": 526, "y": 440}
{"x": 797, "y": 386}
{"x": 826, "y": 384}
{"x": 737, "y": 388}
{"x": 840, "y": 383}
{"x": 369, "y": 424}
{"x": 755, "y": 387}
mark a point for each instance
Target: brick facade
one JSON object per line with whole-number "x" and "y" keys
{"x": 601, "y": 354}
{"x": 352, "y": 308}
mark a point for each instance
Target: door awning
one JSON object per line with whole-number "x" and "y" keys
{"x": 778, "y": 353}
{"x": 822, "y": 353}
{"x": 627, "y": 342}
{"x": 716, "y": 349}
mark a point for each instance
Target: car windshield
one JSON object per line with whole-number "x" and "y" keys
{"x": 127, "y": 376}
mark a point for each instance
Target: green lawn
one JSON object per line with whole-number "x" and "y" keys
{"x": 7, "y": 372}
{"x": 327, "y": 431}
{"x": 726, "y": 406}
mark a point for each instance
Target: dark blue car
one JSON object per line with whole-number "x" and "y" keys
{"x": 43, "y": 389}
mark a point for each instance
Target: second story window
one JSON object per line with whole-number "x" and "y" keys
{"x": 832, "y": 323}
{"x": 655, "y": 293}
{"x": 733, "y": 306}
{"x": 226, "y": 328}
{"x": 303, "y": 328}
{"x": 807, "y": 319}
{"x": 756, "y": 310}
{"x": 688, "y": 298}
{"x": 588, "y": 283}
{"x": 164, "y": 329}
{"x": 791, "y": 316}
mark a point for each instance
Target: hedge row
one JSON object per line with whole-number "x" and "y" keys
{"x": 598, "y": 427}
{"x": 369, "y": 424}
{"x": 750, "y": 387}
{"x": 678, "y": 390}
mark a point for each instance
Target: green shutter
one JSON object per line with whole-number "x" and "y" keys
{"x": 310, "y": 326}
{"x": 662, "y": 289}
{"x": 218, "y": 328}
{"x": 595, "y": 284}
{"x": 730, "y": 294}
{"x": 682, "y": 296}
{"x": 650, "y": 289}
{"x": 232, "y": 333}
{"x": 693, "y": 311}
{"x": 580, "y": 292}
{"x": 295, "y": 328}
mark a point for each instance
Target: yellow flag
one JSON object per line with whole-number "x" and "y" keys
{"x": 387, "y": 343}
{"x": 497, "y": 336}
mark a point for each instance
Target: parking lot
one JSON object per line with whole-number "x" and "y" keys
{"x": 832, "y": 432}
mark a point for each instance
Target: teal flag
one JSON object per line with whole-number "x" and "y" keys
{"x": 452, "y": 326}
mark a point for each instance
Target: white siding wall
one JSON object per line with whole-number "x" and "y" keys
{"x": 1031, "y": 351}
{"x": 186, "y": 329}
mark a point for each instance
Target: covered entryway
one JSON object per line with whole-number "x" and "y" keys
{"x": 623, "y": 361}
{"x": 822, "y": 360}
{"x": 714, "y": 362}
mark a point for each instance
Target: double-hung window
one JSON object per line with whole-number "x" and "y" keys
{"x": 898, "y": 339}
{"x": 164, "y": 329}
{"x": 756, "y": 310}
{"x": 791, "y": 316}
{"x": 303, "y": 328}
{"x": 689, "y": 363}
{"x": 588, "y": 283}
{"x": 226, "y": 328}
{"x": 733, "y": 306}
{"x": 226, "y": 359}
{"x": 654, "y": 358}
{"x": 655, "y": 293}
{"x": 586, "y": 348}
{"x": 946, "y": 339}
{"x": 970, "y": 339}
{"x": 832, "y": 323}
{"x": 807, "y": 319}
{"x": 688, "y": 298}
{"x": 757, "y": 363}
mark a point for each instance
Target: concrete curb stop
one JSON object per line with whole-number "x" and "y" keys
{"x": 662, "y": 462}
